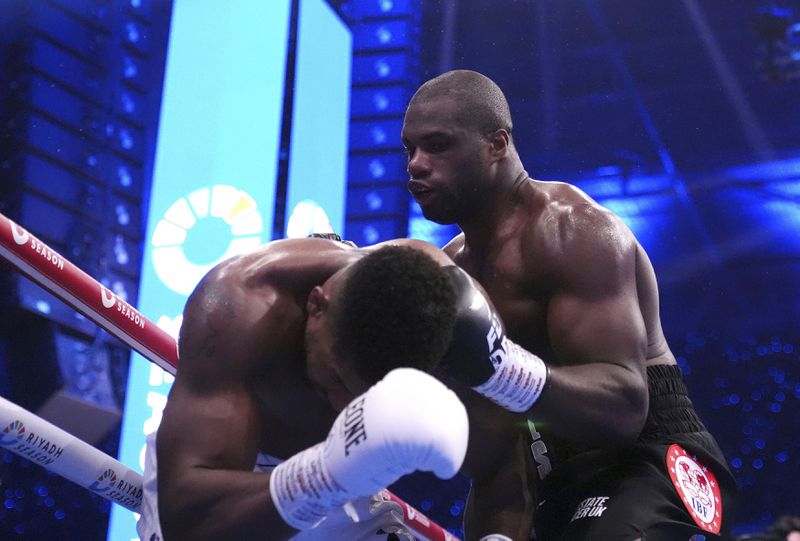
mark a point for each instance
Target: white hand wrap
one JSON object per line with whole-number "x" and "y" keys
{"x": 408, "y": 421}
{"x": 518, "y": 378}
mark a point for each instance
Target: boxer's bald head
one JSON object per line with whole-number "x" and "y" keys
{"x": 481, "y": 104}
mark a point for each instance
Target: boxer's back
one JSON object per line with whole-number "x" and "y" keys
{"x": 265, "y": 292}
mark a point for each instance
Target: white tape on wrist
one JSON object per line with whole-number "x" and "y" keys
{"x": 518, "y": 379}
{"x": 303, "y": 491}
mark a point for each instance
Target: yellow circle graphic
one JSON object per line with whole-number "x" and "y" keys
{"x": 235, "y": 207}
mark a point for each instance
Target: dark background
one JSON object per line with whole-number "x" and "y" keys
{"x": 682, "y": 116}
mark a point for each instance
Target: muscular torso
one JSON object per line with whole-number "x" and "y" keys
{"x": 520, "y": 284}
{"x": 521, "y": 269}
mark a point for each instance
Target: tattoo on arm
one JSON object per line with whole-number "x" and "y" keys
{"x": 199, "y": 346}
{"x": 209, "y": 313}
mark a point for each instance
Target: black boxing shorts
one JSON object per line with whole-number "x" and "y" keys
{"x": 673, "y": 484}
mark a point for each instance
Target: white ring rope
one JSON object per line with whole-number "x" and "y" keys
{"x": 43, "y": 443}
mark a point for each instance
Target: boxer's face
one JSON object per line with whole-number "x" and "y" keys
{"x": 331, "y": 374}
{"x": 447, "y": 161}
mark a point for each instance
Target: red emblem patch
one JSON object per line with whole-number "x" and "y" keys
{"x": 697, "y": 488}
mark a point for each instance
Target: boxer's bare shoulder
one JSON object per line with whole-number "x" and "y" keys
{"x": 250, "y": 308}
{"x": 572, "y": 230}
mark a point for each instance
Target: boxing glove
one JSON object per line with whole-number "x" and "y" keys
{"x": 482, "y": 357}
{"x": 406, "y": 422}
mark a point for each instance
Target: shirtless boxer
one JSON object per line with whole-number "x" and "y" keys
{"x": 273, "y": 345}
{"x": 578, "y": 296}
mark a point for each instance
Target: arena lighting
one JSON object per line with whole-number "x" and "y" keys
{"x": 779, "y": 48}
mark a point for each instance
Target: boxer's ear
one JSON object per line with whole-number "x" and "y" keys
{"x": 499, "y": 140}
{"x": 317, "y": 302}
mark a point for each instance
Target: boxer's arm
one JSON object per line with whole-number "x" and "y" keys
{"x": 501, "y": 500}
{"x": 498, "y": 461}
{"x": 596, "y": 391}
{"x": 209, "y": 436}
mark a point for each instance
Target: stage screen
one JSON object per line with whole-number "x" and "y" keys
{"x": 315, "y": 197}
{"x": 216, "y": 163}
{"x": 214, "y": 177}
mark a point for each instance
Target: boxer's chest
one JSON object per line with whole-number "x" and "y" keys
{"x": 519, "y": 293}
{"x": 295, "y": 417}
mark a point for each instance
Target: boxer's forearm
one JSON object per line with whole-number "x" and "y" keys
{"x": 498, "y": 510}
{"x": 502, "y": 498}
{"x": 204, "y": 504}
{"x": 598, "y": 404}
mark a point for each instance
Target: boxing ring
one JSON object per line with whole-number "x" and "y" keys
{"x": 35, "y": 439}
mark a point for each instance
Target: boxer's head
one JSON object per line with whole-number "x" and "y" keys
{"x": 394, "y": 307}
{"x": 456, "y": 128}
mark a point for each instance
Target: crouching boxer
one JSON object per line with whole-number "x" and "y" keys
{"x": 293, "y": 352}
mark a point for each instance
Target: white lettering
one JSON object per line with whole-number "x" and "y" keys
{"x": 590, "y": 507}
{"x": 128, "y": 311}
{"x": 48, "y": 254}
{"x": 539, "y": 452}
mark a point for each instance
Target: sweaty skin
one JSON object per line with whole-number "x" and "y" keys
{"x": 568, "y": 278}
{"x": 245, "y": 386}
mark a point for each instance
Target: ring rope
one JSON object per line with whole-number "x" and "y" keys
{"x": 43, "y": 443}
{"x": 56, "y": 274}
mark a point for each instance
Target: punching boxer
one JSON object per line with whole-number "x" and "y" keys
{"x": 576, "y": 342}
{"x": 292, "y": 352}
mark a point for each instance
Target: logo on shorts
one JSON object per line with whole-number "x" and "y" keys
{"x": 697, "y": 488}
{"x": 14, "y": 430}
{"x": 590, "y": 508}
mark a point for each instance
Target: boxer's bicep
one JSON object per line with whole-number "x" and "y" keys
{"x": 206, "y": 447}
{"x": 212, "y": 418}
{"x": 202, "y": 434}
{"x": 211, "y": 430}
{"x": 502, "y": 498}
{"x": 597, "y": 390}
{"x": 212, "y": 425}
{"x": 594, "y": 313}
{"x": 607, "y": 328}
